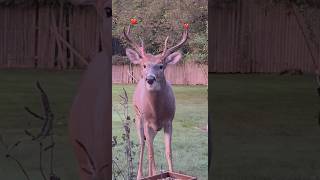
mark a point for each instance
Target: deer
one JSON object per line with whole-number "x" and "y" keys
{"x": 153, "y": 98}
{"x": 90, "y": 118}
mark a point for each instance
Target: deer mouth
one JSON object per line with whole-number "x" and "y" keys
{"x": 152, "y": 84}
{"x": 150, "y": 80}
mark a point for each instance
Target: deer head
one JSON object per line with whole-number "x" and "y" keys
{"x": 153, "y": 66}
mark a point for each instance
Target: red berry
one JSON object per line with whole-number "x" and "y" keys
{"x": 134, "y": 21}
{"x": 186, "y": 26}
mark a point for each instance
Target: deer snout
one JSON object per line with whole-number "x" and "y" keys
{"x": 150, "y": 79}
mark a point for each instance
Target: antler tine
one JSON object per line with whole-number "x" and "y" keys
{"x": 140, "y": 50}
{"x": 165, "y": 46}
{"x": 142, "y": 44}
{"x": 166, "y": 53}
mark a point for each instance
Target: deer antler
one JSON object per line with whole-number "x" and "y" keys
{"x": 166, "y": 52}
{"x": 139, "y": 49}
{"x": 165, "y": 46}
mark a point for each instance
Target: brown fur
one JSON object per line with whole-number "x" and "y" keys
{"x": 153, "y": 98}
{"x": 90, "y": 115}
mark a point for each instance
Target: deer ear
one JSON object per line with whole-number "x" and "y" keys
{"x": 133, "y": 56}
{"x": 173, "y": 58}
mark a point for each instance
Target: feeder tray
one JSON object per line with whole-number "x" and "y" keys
{"x": 170, "y": 176}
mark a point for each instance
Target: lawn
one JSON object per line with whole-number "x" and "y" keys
{"x": 17, "y": 89}
{"x": 190, "y": 152}
{"x": 264, "y": 127}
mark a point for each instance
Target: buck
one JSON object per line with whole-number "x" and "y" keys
{"x": 90, "y": 118}
{"x": 153, "y": 99}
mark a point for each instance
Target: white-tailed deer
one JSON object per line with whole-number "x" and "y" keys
{"x": 153, "y": 99}
{"x": 90, "y": 119}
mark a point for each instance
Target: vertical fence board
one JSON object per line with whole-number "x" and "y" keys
{"x": 264, "y": 39}
{"x": 187, "y": 74}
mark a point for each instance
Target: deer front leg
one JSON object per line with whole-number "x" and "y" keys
{"x": 139, "y": 126}
{"x": 150, "y": 134}
{"x": 167, "y": 142}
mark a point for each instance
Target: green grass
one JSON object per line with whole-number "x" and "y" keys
{"x": 17, "y": 89}
{"x": 264, "y": 127}
{"x": 190, "y": 152}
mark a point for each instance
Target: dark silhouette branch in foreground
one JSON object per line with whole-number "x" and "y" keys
{"x": 92, "y": 170}
{"x": 9, "y": 156}
{"x": 20, "y": 165}
{"x": 45, "y": 132}
{"x": 84, "y": 149}
{"x": 47, "y": 117}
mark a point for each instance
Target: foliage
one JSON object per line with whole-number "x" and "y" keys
{"x": 158, "y": 19}
{"x": 126, "y": 145}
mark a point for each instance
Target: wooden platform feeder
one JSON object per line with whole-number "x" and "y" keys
{"x": 170, "y": 176}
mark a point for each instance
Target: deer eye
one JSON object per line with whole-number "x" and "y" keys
{"x": 144, "y": 66}
{"x": 161, "y": 66}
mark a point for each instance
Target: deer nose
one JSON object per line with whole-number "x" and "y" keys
{"x": 150, "y": 79}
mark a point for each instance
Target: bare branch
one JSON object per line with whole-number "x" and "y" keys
{"x": 20, "y": 166}
{"x": 40, "y": 162}
{"x": 48, "y": 115}
{"x": 116, "y": 165}
{"x": 16, "y": 144}
{"x": 83, "y": 147}
{"x": 49, "y": 147}
{"x": 103, "y": 167}
{"x": 3, "y": 143}
{"x": 33, "y": 113}
{"x": 29, "y": 134}
{"x": 126, "y": 135}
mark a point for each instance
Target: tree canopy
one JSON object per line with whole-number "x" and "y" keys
{"x": 159, "y": 19}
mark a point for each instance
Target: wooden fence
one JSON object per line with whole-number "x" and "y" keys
{"x": 64, "y": 37}
{"x": 41, "y": 36}
{"x": 252, "y": 36}
{"x": 186, "y": 74}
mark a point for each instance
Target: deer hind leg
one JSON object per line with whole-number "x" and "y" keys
{"x": 139, "y": 126}
{"x": 167, "y": 142}
{"x": 150, "y": 134}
